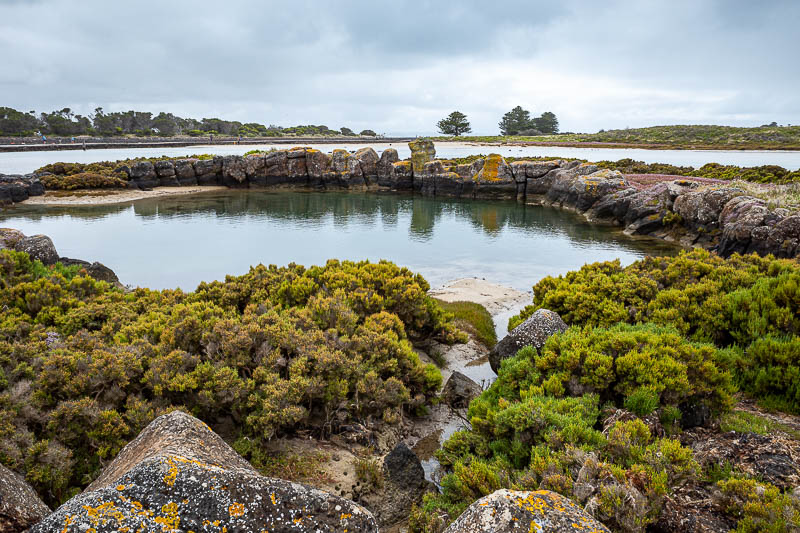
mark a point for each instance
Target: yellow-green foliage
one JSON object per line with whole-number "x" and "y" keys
{"x": 749, "y": 301}
{"x": 83, "y": 180}
{"x": 86, "y": 366}
{"x": 759, "y": 507}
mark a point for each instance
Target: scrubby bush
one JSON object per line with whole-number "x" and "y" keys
{"x": 83, "y": 180}
{"x": 85, "y": 366}
{"x": 525, "y": 440}
{"x": 759, "y": 507}
{"x": 738, "y": 301}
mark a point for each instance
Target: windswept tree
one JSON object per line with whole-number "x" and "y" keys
{"x": 547, "y": 123}
{"x": 516, "y": 121}
{"x": 455, "y": 123}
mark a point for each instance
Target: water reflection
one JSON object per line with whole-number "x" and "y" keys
{"x": 181, "y": 241}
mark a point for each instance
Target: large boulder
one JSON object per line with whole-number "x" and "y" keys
{"x": 317, "y": 165}
{"x": 165, "y": 170}
{"x": 583, "y": 186}
{"x": 208, "y": 171}
{"x": 277, "y": 167}
{"x": 255, "y": 169}
{"x": 39, "y": 247}
{"x": 533, "y": 332}
{"x": 95, "y": 270}
{"x": 16, "y": 188}
{"x": 784, "y": 237}
{"x": 422, "y": 152}
{"x": 144, "y": 174}
{"x": 385, "y": 168}
{"x": 178, "y": 475}
{"x": 20, "y": 507}
{"x": 542, "y": 511}
{"x": 700, "y": 210}
{"x": 184, "y": 172}
{"x": 9, "y": 238}
{"x": 368, "y": 160}
{"x": 459, "y": 390}
{"x": 234, "y": 170}
{"x": 495, "y": 179}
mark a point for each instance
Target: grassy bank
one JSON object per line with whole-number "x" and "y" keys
{"x": 665, "y": 137}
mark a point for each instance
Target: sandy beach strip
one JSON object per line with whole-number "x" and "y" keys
{"x": 113, "y": 196}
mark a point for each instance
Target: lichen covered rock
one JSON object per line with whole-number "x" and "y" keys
{"x": 541, "y": 511}
{"x": 422, "y": 152}
{"x": 178, "y": 475}
{"x": 533, "y": 332}
{"x": 20, "y": 507}
{"x": 39, "y": 247}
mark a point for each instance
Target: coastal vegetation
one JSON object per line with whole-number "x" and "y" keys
{"x": 709, "y": 137}
{"x": 65, "y": 123}
{"x": 669, "y": 340}
{"x": 455, "y": 124}
{"x": 84, "y": 366}
{"x": 518, "y": 121}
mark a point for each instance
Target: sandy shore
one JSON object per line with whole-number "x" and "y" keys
{"x": 107, "y": 197}
{"x": 495, "y": 298}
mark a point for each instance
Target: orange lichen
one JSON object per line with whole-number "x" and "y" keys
{"x": 236, "y": 509}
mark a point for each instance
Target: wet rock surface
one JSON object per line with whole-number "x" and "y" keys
{"x": 20, "y": 507}
{"x": 178, "y": 475}
{"x": 511, "y": 511}
{"x": 533, "y": 332}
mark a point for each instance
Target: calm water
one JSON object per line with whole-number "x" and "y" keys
{"x": 23, "y": 162}
{"x": 178, "y": 242}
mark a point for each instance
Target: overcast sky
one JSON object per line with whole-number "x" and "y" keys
{"x": 398, "y": 67}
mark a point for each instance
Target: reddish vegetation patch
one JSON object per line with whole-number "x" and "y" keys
{"x": 644, "y": 181}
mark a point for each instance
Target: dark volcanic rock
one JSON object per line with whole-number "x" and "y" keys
{"x": 404, "y": 485}
{"x": 318, "y": 164}
{"x": 208, "y": 171}
{"x": 20, "y": 507}
{"x": 96, "y": 270}
{"x": 184, "y": 172}
{"x": 542, "y": 511}
{"x": 533, "y": 332}
{"x": 165, "y": 170}
{"x": 16, "y": 188}
{"x": 368, "y": 160}
{"x": 460, "y": 390}
{"x": 144, "y": 174}
{"x": 39, "y": 247}
{"x": 234, "y": 170}
{"x": 178, "y": 475}
{"x": 701, "y": 210}
{"x": 385, "y": 168}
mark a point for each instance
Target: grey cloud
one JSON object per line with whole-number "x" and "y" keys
{"x": 396, "y": 66}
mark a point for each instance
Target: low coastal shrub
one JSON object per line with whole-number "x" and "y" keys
{"x": 525, "y": 439}
{"x": 83, "y": 180}
{"x": 84, "y": 366}
{"x": 750, "y": 302}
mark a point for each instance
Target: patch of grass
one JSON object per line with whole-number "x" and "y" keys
{"x": 475, "y": 319}
{"x": 369, "y": 472}
{"x": 305, "y": 468}
{"x": 744, "y": 422}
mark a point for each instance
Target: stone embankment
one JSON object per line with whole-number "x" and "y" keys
{"x": 714, "y": 216}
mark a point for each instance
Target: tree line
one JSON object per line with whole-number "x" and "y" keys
{"x": 15, "y": 123}
{"x": 518, "y": 121}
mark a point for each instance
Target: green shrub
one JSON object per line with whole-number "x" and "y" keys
{"x": 642, "y": 401}
{"x": 256, "y": 356}
{"x": 759, "y": 507}
{"x": 770, "y": 371}
{"x": 83, "y": 180}
{"x": 617, "y": 363}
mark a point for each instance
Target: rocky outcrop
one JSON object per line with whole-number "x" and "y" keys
{"x": 506, "y": 511}
{"x": 16, "y": 188}
{"x": 20, "y": 507}
{"x": 533, "y": 332}
{"x": 178, "y": 475}
{"x": 422, "y": 152}
{"x": 41, "y": 247}
{"x": 720, "y": 218}
{"x": 460, "y": 390}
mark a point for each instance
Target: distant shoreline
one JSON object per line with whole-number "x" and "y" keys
{"x": 65, "y": 143}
